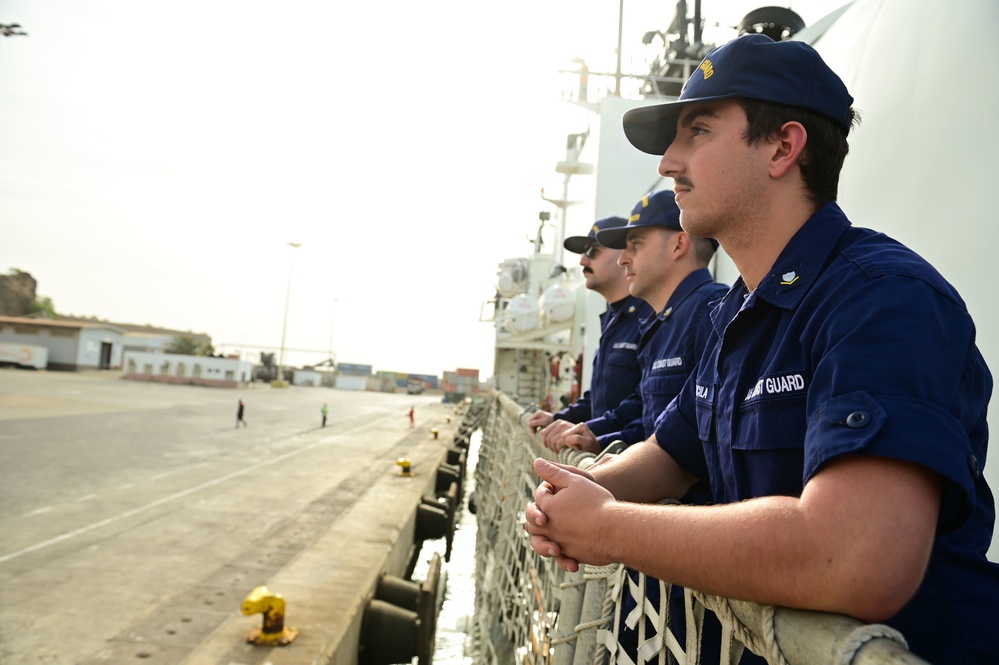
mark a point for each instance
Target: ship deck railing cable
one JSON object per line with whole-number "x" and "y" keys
{"x": 530, "y": 612}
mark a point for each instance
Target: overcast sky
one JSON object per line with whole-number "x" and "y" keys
{"x": 157, "y": 156}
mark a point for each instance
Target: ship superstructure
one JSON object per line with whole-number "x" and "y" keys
{"x": 547, "y": 323}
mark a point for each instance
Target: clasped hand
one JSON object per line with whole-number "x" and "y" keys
{"x": 564, "y": 518}
{"x": 561, "y": 434}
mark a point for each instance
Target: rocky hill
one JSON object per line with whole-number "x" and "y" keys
{"x": 17, "y": 293}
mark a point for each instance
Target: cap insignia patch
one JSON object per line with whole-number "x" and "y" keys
{"x": 638, "y": 215}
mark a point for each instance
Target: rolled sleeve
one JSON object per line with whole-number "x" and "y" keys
{"x": 900, "y": 428}
{"x": 678, "y": 436}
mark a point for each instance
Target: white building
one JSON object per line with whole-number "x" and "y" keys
{"x": 71, "y": 345}
{"x": 352, "y": 382}
{"x": 192, "y": 370}
{"x": 306, "y": 377}
{"x": 146, "y": 342}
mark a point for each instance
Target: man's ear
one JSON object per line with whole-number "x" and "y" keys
{"x": 682, "y": 243}
{"x": 788, "y": 147}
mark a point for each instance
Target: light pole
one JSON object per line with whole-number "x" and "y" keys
{"x": 284, "y": 327}
{"x": 332, "y": 321}
{"x": 330, "y": 364}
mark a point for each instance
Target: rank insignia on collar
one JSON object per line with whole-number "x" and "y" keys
{"x": 666, "y": 312}
{"x": 789, "y": 278}
{"x": 631, "y": 310}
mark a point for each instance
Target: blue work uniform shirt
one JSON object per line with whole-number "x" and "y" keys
{"x": 616, "y": 372}
{"x": 672, "y": 342}
{"x": 667, "y": 352}
{"x": 854, "y": 345}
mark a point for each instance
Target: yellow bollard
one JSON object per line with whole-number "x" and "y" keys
{"x": 405, "y": 465}
{"x": 434, "y": 431}
{"x": 271, "y": 606}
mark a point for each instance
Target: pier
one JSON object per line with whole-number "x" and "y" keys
{"x": 137, "y": 516}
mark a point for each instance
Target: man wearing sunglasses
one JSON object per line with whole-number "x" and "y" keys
{"x": 667, "y": 268}
{"x": 616, "y": 372}
{"x": 839, "y": 410}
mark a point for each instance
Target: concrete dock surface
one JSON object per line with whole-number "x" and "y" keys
{"x": 136, "y": 517}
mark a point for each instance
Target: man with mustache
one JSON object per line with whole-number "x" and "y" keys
{"x": 839, "y": 408}
{"x": 616, "y": 372}
{"x": 666, "y": 268}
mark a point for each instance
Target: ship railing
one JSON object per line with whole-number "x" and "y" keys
{"x": 530, "y": 612}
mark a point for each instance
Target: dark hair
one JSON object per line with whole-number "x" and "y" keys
{"x": 704, "y": 249}
{"x": 825, "y": 150}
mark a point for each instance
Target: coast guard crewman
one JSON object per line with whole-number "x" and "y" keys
{"x": 839, "y": 408}
{"x": 666, "y": 268}
{"x": 616, "y": 372}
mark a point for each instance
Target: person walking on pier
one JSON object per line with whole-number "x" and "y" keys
{"x": 412, "y": 417}
{"x": 844, "y": 459}
{"x": 325, "y": 411}
{"x": 616, "y": 372}
{"x": 239, "y": 414}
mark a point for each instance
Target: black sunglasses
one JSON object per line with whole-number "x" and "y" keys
{"x": 591, "y": 251}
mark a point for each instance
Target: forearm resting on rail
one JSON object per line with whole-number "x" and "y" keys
{"x": 643, "y": 473}
{"x": 856, "y": 542}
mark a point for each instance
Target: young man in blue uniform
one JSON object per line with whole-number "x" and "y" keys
{"x": 839, "y": 408}
{"x": 666, "y": 268}
{"x": 616, "y": 372}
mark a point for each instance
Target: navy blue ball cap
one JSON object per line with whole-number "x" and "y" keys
{"x": 751, "y": 66}
{"x": 578, "y": 244}
{"x": 656, "y": 209}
